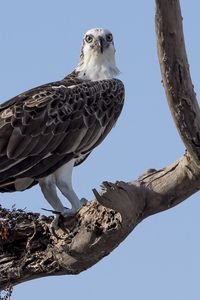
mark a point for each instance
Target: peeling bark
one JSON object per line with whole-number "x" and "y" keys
{"x": 28, "y": 249}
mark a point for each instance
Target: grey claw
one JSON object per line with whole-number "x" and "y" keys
{"x": 52, "y": 211}
{"x": 83, "y": 201}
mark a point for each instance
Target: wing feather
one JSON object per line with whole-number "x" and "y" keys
{"x": 17, "y": 143}
{"x": 47, "y": 126}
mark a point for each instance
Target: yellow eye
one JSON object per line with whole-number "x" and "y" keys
{"x": 89, "y": 38}
{"x": 109, "y": 37}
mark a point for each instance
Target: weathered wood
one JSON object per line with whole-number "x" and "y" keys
{"x": 28, "y": 249}
{"x": 176, "y": 74}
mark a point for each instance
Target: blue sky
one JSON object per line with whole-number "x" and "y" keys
{"x": 40, "y": 42}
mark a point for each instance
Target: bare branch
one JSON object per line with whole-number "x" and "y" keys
{"x": 29, "y": 250}
{"x": 176, "y": 75}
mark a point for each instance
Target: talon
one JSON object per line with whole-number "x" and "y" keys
{"x": 83, "y": 201}
{"x": 59, "y": 216}
{"x": 54, "y": 226}
{"x": 68, "y": 212}
{"x": 65, "y": 213}
{"x": 52, "y": 211}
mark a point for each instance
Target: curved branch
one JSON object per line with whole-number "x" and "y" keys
{"x": 28, "y": 250}
{"x": 176, "y": 75}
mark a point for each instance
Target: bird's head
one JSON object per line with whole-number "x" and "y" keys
{"x": 98, "y": 41}
{"x": 97, "y": 58}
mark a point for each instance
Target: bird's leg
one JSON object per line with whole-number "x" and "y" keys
{"x": 48, "y": 187}
{"x": 63, "y": 178}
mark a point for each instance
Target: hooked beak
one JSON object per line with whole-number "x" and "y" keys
{"x": 102, "y": 44}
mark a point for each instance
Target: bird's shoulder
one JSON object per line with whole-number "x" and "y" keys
{"x": 70, "y": 100}
{"x": 70, "y": 92}
{"x": 55, "y": 90}
{"x": 68, "y": 117}
{"x": 41, "y": 91}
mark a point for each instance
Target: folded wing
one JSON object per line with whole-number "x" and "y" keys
{"x": 44, "y": 128}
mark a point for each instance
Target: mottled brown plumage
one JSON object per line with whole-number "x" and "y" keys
{"x": 47, "y": 126}
{"x": 48, "y": 130}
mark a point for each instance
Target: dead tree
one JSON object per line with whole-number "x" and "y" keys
{"x": 28, "y": 250}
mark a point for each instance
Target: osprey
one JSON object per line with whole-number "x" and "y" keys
{"x": 48, "y": 130}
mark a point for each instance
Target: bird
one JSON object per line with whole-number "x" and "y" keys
{"x": 48, "y": 130}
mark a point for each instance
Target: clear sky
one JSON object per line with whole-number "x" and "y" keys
{"x": 40, "y": 42}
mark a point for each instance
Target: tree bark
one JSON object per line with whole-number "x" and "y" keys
{"x": 29, "y": 250}
{"x": 176, "y": 75}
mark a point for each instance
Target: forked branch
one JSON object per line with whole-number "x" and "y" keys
{"x": 28, "y": 250}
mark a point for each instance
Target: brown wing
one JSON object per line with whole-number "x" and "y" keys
{"x": 42, "y": 129}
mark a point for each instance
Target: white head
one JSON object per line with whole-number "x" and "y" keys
{"x": 97, "y": 58}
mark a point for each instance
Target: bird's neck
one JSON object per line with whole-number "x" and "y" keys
{"x": 97, "y": 67}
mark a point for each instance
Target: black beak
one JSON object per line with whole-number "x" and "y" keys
{"x": 101, "y": 44}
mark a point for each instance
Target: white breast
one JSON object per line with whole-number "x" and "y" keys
{"x": 98, "y": 67}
